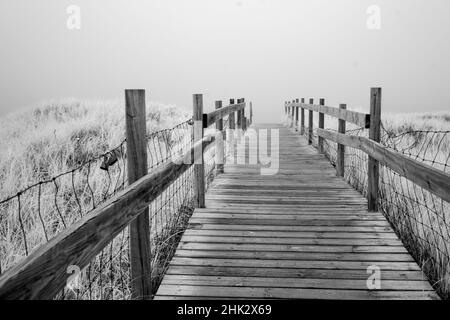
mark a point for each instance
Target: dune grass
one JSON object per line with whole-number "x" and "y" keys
{"x": 66, "y": 139}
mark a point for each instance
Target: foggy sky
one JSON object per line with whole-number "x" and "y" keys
{"x": 267, "y": 51}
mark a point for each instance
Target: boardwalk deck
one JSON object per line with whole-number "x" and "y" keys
{"x": 302, "y": 233}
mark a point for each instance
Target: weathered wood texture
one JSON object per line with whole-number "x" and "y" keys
{"x": 44, "y": 273}
{"x": 302, "y": 118}
{"x": 301, "y": 233}
{"x": 373, "y": 170}
{"x": 219, "y": 142}
{"x": 321, "y": 126}
{"x": 212, "y": 117}
{"x": 310, "y": 123}
{"x": 431, "y": 179}
{"x": 139, "y": 230}
{"x": 358, "y": 118}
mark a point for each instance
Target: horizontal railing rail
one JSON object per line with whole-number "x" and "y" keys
{"x": 358, "y": 118}
{"x": 212, "y": 117}
{"x": 44, "y": 273}
{"x": 434, "y": 180}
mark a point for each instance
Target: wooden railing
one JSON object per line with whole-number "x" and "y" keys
{"x": 43, "y": 274}
{"x": 429, "y": 178}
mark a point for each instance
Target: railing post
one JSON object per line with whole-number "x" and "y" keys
{"x": 296, "y": 115}
{"x": 251, "y": 113}
{"x": 340, "y": 156}
{"x": 375, "y": 135}
{"x": 219, "y": 142}
{"x": 239, "y": 117}
{"x": 244, "y": 118}
{"x": 139, "y": 230}
{"x": 232, "y": 128}
{"x": 321, "y": 125}
{"x": 302, "y": 119}
{"x": 293, "y": 115}
{"x": 199, "y": 166}
{"x": 310, "y": 124}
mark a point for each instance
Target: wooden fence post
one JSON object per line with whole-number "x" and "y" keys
{"x": 139, "y": 229}
{"x": 244, "y": 118}
{"x": 239, "y": 118}
{"x": 219, "y": 143}
{"x": 321, "y": 125}
{"x": 310, "y": 128}
{"x": 302, "y": 119}
{"x": 199, "y": 164}
{"x": 340, "y": 155}
{"x": 232, "y": 127}
{"x": 375, "y": 135}
{"x": 296, "y": 115}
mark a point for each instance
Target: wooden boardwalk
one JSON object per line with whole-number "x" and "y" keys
{"x": 302, "y": 233}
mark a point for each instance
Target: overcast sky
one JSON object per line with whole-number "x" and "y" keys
{"x": 267, "y": 51}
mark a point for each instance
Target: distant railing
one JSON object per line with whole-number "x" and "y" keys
{"x": 43, "y": 274}
{"x": 414, "y": 195}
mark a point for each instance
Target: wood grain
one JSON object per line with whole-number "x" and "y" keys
{"x": 301, "y": 233}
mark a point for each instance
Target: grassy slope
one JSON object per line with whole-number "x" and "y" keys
{"x": 59, "y": 135}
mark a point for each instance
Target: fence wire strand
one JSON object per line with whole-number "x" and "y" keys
{"x": 37, "y": 214}
{"x": 419, "y": 218}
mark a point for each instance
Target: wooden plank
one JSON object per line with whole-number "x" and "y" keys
{"x": 288, "y": 216}
{"x": 340, "y": 154}
{"x": 276, "y": 282}
{"x": 291, "y": 248}
{"x": 310, "y": 124}
{"x": 302, "y": 118}
{"x": 139, "y": 229}
{"x": 291, "y": 293}
{"x": 303, "y": 229}
{"x": 278, "y": 222}
{"x": 297, "y": 256}
{"x": 321, "y": 125}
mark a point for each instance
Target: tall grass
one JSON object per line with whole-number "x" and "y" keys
{"x": 59, "y": 135}
{"x": 67, "y": 136}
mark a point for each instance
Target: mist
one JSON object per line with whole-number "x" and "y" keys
{"x": 266, "y": 51}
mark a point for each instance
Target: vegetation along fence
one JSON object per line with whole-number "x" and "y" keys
{"x": 108, "y": 228}
{"x": 404, "y": 175}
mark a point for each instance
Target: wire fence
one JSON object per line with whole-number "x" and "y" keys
{"x": 420, "y": 219}
{"x": 37, "y": 214}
